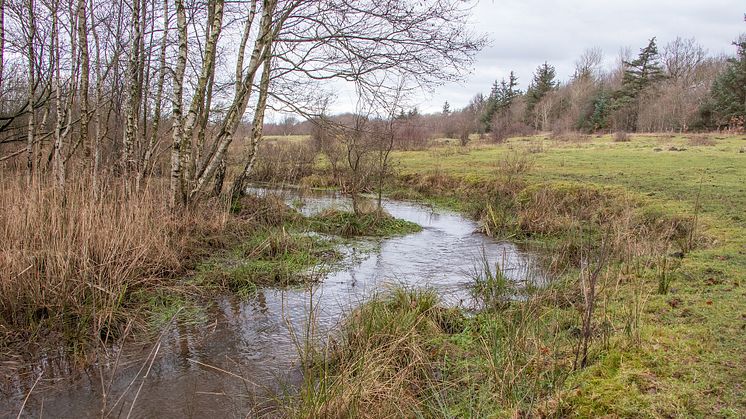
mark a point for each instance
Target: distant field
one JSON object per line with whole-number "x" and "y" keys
{"x": 287, "y": 138}
{"x": 646, "y": 164}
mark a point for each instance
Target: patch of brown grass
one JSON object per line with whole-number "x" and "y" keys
{"x": 622, "y": 137}
{"x": 70, "y": 261}
{"x": 701, "y": 140}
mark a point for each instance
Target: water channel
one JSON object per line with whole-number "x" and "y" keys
{"x": 238, "y": 361}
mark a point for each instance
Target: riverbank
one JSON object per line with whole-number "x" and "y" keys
{"x": 649, "y": 258}
{"x": 244, "y": 353}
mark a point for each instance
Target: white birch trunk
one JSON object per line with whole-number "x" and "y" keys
{"x": 177, "y": 192}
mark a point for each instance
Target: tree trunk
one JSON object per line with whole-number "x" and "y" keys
{"x": 240, "y": 101}
{"x": 2, "y": 42}
{"x": 132, "y": 106}
{"x": 177, "y": 191}
{"x": 59, "y": 164}
{"x": 146, "y": 166}
{"x": 31, "y": 92}
{"x": 208, "y": 68}
{"x": 84, "y": 80}
{"x": 256, "y": 131}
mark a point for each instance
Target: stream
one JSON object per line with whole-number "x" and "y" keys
{"x": 245, "y": 356}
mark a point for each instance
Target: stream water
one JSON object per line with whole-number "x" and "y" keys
{"x": 246, "y": 354}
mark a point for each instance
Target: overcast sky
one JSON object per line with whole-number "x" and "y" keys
{"x": 525, "y": 33}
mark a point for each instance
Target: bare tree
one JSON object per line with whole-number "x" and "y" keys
{"x": 177, "y": 103}
{"x": 587, "y": 66}
{"x": 132, "y": 108}
{"x": 681, "y": 58}
{"x": 2, "y": 42}
{"x": 31, "y": 131}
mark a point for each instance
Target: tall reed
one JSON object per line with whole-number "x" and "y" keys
{"x": 70, "y": 259}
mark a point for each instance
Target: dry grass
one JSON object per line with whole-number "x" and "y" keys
{"x": 384, "y": 365}
{"x": 701, "y": 140}
{"x": 70, "y": 262}
{"x": 515, "y": 163}
{"x": 284, "y": 162}
{"x": 575, "y": 137}
{"x": 622, "y": 137}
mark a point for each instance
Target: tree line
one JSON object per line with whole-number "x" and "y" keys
{"x": 679, "y": 87}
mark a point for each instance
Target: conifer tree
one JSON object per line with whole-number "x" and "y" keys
{"x": 543, "y": 82}
{"x": 642, "y": 72}
{"x": 446, "y": 108}
{"x": 639, "y": 76}
{"x": 728, "y": 94}
{"x": 500, "y": 99}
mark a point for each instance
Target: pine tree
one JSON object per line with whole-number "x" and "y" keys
{"x": 643, "y": 72}
{"x": 542, "y": 83}
{"x": 639, "y": 76}
{"x": 446, "y": 108}
{"x": 728, "y": 94}
{"x": 500, "y": 99}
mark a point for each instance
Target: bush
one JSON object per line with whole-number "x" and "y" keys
{"x": 701, "y": 140}
{"x": 515, "y": 163}
{"x": 284, "y": 162}
{"x": 621, "y": 137}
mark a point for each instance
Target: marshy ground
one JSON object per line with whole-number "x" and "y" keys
{"x": 640, "y": 313}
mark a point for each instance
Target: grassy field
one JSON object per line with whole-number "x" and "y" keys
{"x": 646, "y": 164}
{"x": 668, "y": 334}
{"x": 287, "y": 138}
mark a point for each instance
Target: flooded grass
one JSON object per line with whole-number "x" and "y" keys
{"x": 376, "y": 223}
{"x": 383, "y": 362}
{"x": 404, "y": 354}
{"x": 274, "y": 257}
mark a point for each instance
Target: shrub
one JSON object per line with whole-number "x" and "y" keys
{"x": 621, "y": 137}
{"x": 284, "y": 162}
{"x": 701, "y": 140}
{"x": 515, "y": 163}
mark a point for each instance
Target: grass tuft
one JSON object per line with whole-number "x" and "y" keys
{"x": 372, "y": 224}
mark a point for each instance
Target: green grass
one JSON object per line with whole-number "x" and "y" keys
{"x": 672, "y": 176}
{"x": 372, "y": 224}
{"x": 278, "y": 256}
{"x": 163, "y": 306}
